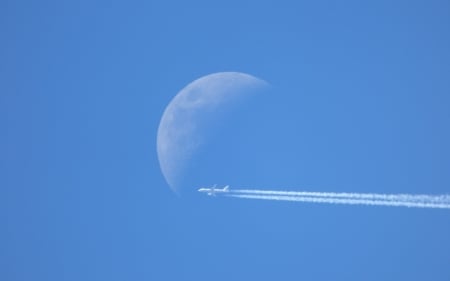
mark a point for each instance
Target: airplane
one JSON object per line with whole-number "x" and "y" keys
{"x": 213, "y": 190}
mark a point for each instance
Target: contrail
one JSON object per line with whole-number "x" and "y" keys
{"x": 370, "y": 199}
{"x": 347, "y": 201}
{"x": 370, "y": 196}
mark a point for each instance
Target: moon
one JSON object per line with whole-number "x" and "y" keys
{"x": 192, "y": 113}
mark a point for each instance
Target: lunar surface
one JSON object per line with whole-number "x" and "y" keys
{"x": 192, "y": 112}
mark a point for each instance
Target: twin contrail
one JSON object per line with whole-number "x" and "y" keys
{"x": 369, "y": 199}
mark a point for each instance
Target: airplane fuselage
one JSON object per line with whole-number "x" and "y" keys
{"x": 213, "y": 190}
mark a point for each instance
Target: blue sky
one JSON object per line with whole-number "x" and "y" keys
{"x": 359, "y": 102}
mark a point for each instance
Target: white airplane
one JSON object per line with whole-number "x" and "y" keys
{"x": 213, "y": 190}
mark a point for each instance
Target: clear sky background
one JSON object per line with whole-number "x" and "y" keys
{"x": 359, "y": 102}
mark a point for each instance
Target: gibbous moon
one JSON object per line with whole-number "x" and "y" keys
{"x": 192, "y": 112}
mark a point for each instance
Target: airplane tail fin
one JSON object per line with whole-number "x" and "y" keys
{"x": 226, "y": 188}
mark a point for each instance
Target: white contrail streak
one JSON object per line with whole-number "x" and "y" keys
{"x": 419, "y": 198}
{"x": 373, "y": 199}
{"x": 349, "y": 201}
